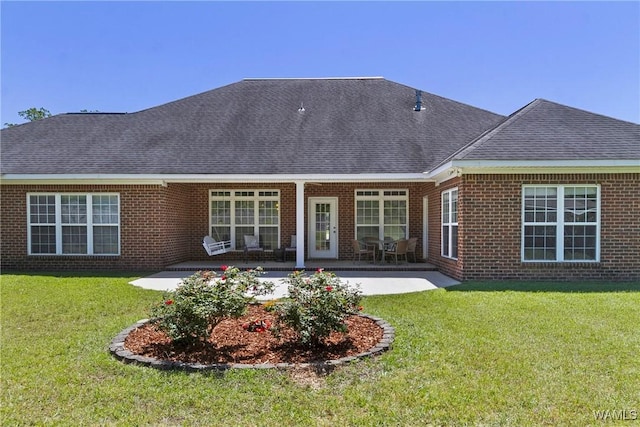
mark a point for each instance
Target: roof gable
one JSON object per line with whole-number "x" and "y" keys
{"x": 545, "y": 130}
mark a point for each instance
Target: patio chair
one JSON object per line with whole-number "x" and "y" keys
{"x": 360, "y": 248}
{"x": 398, "y": 249}
{"x": 251, "y": 244}
{"x": 292, "y": 247}
{"x": 214, "y": 247}
{"x": 411, "y": 248}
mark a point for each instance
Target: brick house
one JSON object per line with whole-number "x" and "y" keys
{"x": 547, "y": 192}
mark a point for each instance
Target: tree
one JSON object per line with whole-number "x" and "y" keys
{"x": 32, "y": 114}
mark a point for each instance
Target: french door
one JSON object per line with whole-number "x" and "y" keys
{"x": 323, "y": 227}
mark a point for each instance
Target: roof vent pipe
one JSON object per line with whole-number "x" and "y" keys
{"x": 418, "y": 100}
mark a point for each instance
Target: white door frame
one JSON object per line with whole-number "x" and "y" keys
{"x": 333, "y": 228}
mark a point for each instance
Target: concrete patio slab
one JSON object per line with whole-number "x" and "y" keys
{"x": 370, "y": 282}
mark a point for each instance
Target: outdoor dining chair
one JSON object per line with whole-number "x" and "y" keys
{"x": 398, "y": 249}
{"x": 360, "y": 248}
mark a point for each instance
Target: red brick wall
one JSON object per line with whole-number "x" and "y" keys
{"x": 448, "y": 266}
{"x": 161, "y": 225}
{"x": 165, "y": 225}
{"x": 143, "y": 238}
{"x": 490, "y": 228}
{"x": 177, "y": 223}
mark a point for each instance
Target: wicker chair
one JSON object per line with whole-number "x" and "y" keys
{"x": 398, "y": 249}
{"x": 359, "y": 249}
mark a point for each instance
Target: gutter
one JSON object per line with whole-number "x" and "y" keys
{"x": 456, "y": 168}
{"x": 163, "y": 179}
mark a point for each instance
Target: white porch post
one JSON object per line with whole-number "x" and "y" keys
{"x": 300, "y": 224}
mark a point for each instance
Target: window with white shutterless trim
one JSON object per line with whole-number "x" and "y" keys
{"x": 450, "y": 223}
{"x": 73, "y": 223}
{"x": 382, "y": 214}
{"x": 560, "y": 223}
{"x": 236, "y": 213}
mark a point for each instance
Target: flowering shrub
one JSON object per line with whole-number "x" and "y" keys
{"x": 317, "y": 305}
{"x": 204, "y": 299}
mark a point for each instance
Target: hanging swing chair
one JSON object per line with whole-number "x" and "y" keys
{"x": 218, "y": 246}
{"x": 214, "y": 247}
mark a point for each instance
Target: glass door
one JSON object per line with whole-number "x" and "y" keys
{"x": 323, "y": 228}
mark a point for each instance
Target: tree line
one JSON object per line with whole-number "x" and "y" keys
{"x": 33, "y": 113}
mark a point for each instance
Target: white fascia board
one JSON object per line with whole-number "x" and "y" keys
{"x": 298, "y": 177}
{"x": 443, "y": 169}
{"x": 469, "y": 165}
{"x": 163, "y": 179}
{"x": 89, "y": 179}
{"x": 457, "y": 168}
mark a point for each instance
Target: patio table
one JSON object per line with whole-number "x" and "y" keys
{"x": 383, "y": 246}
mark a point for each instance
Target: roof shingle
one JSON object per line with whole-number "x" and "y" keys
{"x": 349, "y": 126}
{"x": 545, "y": 130}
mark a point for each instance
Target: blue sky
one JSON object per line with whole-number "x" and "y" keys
{"x": 128, "y": 56}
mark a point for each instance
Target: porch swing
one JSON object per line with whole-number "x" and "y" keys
{"x": 216, "y": 246}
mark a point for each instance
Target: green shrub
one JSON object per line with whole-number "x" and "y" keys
{"x": 203, "y": 299}
{"x": 317, "y": 305}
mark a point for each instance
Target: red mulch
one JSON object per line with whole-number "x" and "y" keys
{"x": 230, "y": 343}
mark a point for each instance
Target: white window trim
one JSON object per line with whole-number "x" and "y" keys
{"x": 232, "y": 198}
{"x": 58, "y": 224}
{"x": 380, "y": 197}
{"x": 560, "y": 223}
{"x": 449, "y": 223}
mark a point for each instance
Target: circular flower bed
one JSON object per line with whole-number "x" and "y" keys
{"x": 209, "y": 322}
{"x": 232, "y": 345}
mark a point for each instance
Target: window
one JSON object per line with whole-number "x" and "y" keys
{"x": 450, "y": 223}
{"x": 382, "y": 214}
{"x": 561, "y": 223}
{"x": 234, "y": 214}
{"x": 73, "y": 224}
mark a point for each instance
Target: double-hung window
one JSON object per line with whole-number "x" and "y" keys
{"x": 234, "y": 214}
{"x": 73, "y": 224}
{"x": 450, "y": 223}
{"x": 382, "y": 214}
{"x": 561, "y": 223}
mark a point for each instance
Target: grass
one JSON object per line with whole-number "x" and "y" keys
{"x": 478, "y": 354}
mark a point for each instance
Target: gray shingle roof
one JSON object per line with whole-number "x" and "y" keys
{"x": 349, "y": 126}
{"x": 545, "y": 130}
{"x": 365, "y": 125}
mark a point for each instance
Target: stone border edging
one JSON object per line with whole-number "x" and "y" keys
{"x": 117, "y": 349}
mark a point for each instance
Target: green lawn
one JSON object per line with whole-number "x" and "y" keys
{"x": 476, "y": 354}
